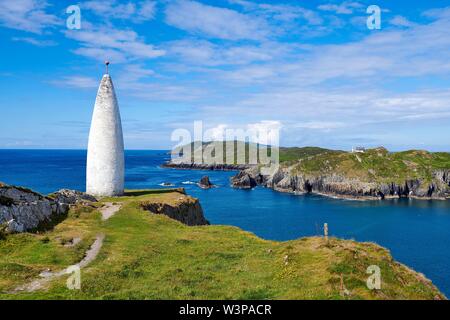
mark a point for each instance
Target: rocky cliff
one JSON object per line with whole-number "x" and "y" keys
{"x": 289, "y": 180}
{"x": 22, "y": 209}
{"x": 185, "y": 209}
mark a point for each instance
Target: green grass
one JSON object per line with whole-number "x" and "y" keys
{"x": 233, "y": 152}
{"x": 240, "y": 150}
{"x": 289, "y": 154}
{"x": 146, "y": 256}
{"x": 376, "y": 165}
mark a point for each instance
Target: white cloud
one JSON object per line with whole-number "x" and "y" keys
{"x": 113, "y": 44}
{"x": 438, "y": 13}
{"x": 320, "y": 125}
{"x": 214, "y": 22}
{"x": 267, "y": 132}
{"x": 400, "y": 21}
{"x": 161, "y": 91}
{"x": 289, "y": 18}
{"x": 373, "y": 59}
{"x": 135, "y": 72}
{"x": 347, "y": 115}
{"x": 251, "y": 74}
{"x": 27, "y": 15}
{"x": 202, "y": 52}
{"x": 134, "y": 11}
{"x": 346, "y": 7}
{"x": 290, "y": 13}
{"x": 35, "y": 42}
{"x": 102, "y": 54}
{"x": 216, "y": 133}
{"x": 263, "y": 132}
{"x": 77, "y": 82}
{"x": 147, "y": 10}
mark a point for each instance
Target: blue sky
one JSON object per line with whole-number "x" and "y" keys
{"x": 311, "y": 68}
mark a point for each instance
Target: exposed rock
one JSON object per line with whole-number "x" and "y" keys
{"x": 72, "y": 242}
{"x": 22, "y": 209}
{"x": 188, "y": 211}
{"x": 166, "y": 184}
{"x": 205, "y": 183}
{"x": 248, "y": 178}
{"x": 243, "y": 180}
{"x": 285, "y": 180}
{"x": 72, "y": 197}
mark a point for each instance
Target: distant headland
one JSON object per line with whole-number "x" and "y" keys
{"x": 363, "y": 174}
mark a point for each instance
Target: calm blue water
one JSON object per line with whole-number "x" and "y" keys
{"x": 416, "y": 231}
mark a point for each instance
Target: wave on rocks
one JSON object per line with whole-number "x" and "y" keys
{"x": 166, "y": 184}
{"x": 189, "y": 182}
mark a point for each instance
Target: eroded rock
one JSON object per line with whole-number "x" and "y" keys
{"x": 22, "y": 209}
{"x": 187, "y": 210}
{"x": 205, "y": 183}
{"x": 285, "y": 180}
{"x": 72, "y": 197}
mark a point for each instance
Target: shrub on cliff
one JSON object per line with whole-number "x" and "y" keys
{"x": 3, "y": 230}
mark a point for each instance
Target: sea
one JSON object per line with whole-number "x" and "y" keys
{"x": 417, "y": 232}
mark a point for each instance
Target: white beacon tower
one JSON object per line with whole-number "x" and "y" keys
{"x": 105, "y": 157}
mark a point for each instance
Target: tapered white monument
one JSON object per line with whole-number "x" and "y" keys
{"x": 105, "y": 156}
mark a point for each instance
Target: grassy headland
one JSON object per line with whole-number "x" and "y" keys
{"x": 374, "y": 165}
{"x": 148, "y": 256}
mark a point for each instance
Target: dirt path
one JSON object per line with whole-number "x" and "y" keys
{"x": 47, "y": 276}
{"x": 109, "y": 209}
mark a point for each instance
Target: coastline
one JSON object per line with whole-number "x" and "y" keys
{"x": 244, "y": 169}
{"x": 167, "y": 211}
{"x": 355, "y": 198}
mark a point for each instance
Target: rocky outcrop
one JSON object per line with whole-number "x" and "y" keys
{"x": 23, "y": 209}
{"x": 340, "y": 186}
{"x": 72, "y": 197}
{"x": 188, "y": 211}
{"x": 205, "y": 166}
{"x": 243, "y": 180}
{"x": 248, "y": 179}
{"x": 205, "y": 183}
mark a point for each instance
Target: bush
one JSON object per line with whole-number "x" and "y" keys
{"x": 3, "y": 230}
{"x": 45, "y": 240}
{"x": 5, "y": 201}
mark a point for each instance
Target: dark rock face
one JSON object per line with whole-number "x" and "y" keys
{"x": 243, "y": 180}
{"x": 443, "y": 175}
{"x": 188, "y": 211}
{"x": 72, "y": 197}
{"x": 205, "y": 183}
{"x": 22, "y": 209}
{"x": 336, "y": 185}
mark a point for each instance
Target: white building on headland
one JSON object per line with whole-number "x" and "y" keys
{"x": 105, "y": 156}
{"x": 358, "y": 150}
